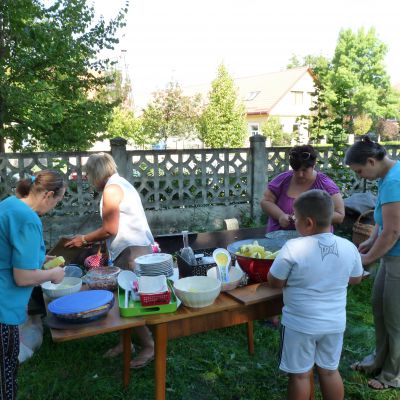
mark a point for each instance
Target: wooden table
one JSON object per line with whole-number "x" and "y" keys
{"x": 243, "y": 305}
{"x": 112, "y": 322}
{"x": 240, "y": 306}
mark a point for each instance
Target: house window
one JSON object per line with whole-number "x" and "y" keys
{"x": 297, "y": 98}
{"x": 252, "y": 95}
{"x": 311, "y": 98}
{"x": 254, "y": 129}
{"x": 295, "y": 128}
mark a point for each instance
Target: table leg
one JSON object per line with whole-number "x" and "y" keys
{"x": 126, "y": 346}
{"x": 250, "y": 336}
{"x": 161, "y": 341}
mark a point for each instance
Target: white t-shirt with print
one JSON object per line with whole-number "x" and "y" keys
{"x": 317, "y": 269}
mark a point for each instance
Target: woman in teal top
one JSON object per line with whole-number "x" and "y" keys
{"x": 369, "y": 160}
{"x": 21, "y": 258}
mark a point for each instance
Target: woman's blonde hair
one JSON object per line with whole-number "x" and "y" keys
{"x": 99, "y": 167}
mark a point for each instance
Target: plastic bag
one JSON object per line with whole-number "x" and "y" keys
{"x": 30, "y": 337}
{"x": 96, "y": 260}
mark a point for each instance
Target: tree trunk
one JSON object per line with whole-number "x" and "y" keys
{"x": 2, "y": 105}
{"x": 2, "y": 145}
{"x": 2, "y": 130}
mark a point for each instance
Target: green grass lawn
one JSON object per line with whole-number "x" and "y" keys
{"x": 214, "y": 365}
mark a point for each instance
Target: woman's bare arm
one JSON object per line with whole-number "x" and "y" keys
{"x": 112, "y": 197}
{"x": 33, "y": 277}
{"x": 338, "y": 208}
{"x": 269, "y": 206}
{"x": 388, "y": 237}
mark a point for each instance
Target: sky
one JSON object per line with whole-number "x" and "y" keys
{"x": 186, "y": 40}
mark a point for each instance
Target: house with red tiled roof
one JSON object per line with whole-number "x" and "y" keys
{"x": 286, "y": 94}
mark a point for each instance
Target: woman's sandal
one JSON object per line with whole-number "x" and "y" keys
{"x": 376, "y": 384}
{"x": 115, "y": 351}
{"x": 141, "y": 360}
{"x": 360, "y": 367}
{"x": 357, "y": 366}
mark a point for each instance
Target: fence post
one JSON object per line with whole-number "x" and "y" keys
{"x": 118, "y": 151}
{"x": 258, "y": 174}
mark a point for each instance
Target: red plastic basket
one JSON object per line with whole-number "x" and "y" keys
{"x": 155, "y": 299}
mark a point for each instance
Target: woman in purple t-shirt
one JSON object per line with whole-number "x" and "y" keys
{"x": 283, "y": 190}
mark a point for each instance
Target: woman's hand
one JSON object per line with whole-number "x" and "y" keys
{"x": 285, "y": 220}
{"x": 76, "y": 241}
{"x": 57, "y": 274}
{"x": 365, "y": 246}
{"x": 48, "y": 258}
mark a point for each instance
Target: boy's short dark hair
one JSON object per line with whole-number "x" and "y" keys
{"x": 316, "y": 204}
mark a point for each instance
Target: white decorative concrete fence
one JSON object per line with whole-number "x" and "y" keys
{"x": 180, "y": 189}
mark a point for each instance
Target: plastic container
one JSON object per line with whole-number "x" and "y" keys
{"x": 187, "y": 252}
{"x": 73, "y": 270}
{"x": 155, "y": 299}
{"x": 102, "y": 278}
{"x": 197, "y": 291}
{"x": 83, "y": 306}
{"x": 67, "y": 286}
{"x": 200, "y": 269}
{"x": 235, "y": 277}
{"x": 136, "y": 309}
{"x": 95, "y": 261}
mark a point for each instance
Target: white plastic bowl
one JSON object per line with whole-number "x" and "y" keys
{"x": 235, "y": 275}
{"x": 68, "y": 285}
{"x": 197, "y": 291}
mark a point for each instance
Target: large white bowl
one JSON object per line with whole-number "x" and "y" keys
{"x": 68, "y": 285}
{"x": 197, "y": 291}
{"x": 235, "y": 275}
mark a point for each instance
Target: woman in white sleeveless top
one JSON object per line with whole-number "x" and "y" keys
{"x": 126, "y": 231}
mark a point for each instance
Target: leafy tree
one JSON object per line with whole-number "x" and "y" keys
{"x": 327, "y": 122}
{"x": 362, "y": 124}
{"x": 171, "y": 114}
{"x": 387, "y": 130}
{"x": 272, "y": 129}
{"x": 357, "y": 75}
{"x": 294, "y": 62}
{"x": 117, "y": 90}
{"x": 354, "y": 83}
{"x": 223, "y": 123}
{"x": 49, "y": 75}
{"x": 307, "y": 61}
{"x": 124, "y": 124}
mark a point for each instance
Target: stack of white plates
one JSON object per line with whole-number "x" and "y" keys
{"x": 155, "y": 264}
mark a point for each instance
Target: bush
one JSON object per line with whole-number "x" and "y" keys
{"x": 387, "y": 130}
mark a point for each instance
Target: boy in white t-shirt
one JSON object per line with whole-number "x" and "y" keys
{"x": 314, "y": 271}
